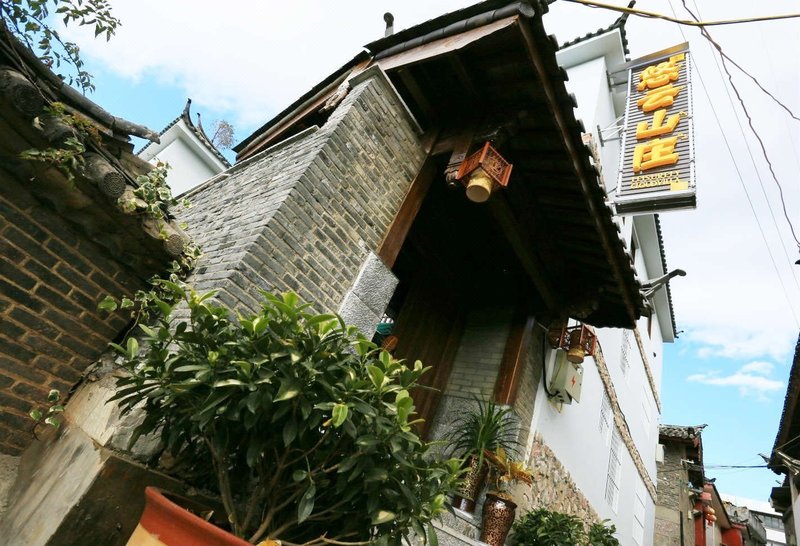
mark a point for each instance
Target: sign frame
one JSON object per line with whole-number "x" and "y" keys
{"x": 631, "y": 201}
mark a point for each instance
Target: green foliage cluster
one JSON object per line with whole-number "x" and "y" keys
{"x": 48, "y": 415}
{"x": 485, "y": 428}
{"x": 28, "y": 21}
{"x": 543, "y": 527}
{"x": 308, "y": 426}
{"x": 153, "y": 193}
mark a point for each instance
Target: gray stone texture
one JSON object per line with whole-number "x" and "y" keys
{"x": 673, "y": 498}
{"x": 366, "y": 301}
{"x": 553, "y": 487}
{"x": 303, "y": 215}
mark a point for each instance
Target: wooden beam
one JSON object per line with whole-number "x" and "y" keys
{"x": 522, "y": 247}
{"x": 514, "y": 357}
{"x": 398, "y": 230}
{"x": 586, "y": 179}
{"x": 417, "y": 94}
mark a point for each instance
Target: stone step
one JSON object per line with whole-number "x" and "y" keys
{"x": 458, "y": 529}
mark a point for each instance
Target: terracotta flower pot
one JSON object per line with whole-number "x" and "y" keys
{"x": 164, "y": 523}
{"x": 498, "y": 515}
{"x": 473, "y": 481}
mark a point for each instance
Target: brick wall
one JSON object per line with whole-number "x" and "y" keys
{"x": 51, "y": 279}
{"x": 478, "y": 358}
{"x": 304, "y": 214}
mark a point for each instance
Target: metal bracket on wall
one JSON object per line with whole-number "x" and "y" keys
{"x": 610, "y": 133}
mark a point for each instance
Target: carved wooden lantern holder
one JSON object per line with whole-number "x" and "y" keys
{"x": 483, "y": 172}
{"x": 579, "y": 341}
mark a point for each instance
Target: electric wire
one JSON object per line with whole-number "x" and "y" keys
{"x": 723, "y": 58}
{"x": 750, "y": 154}
{"x": 741, "y": 181}
{"x": 685, "y": 22}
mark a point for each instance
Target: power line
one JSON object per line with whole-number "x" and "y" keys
{"x": 723, "y": 57}
{"x": 741, "y": 182}
{"x": 752, "y": 159}
{"x": 686, "y": 22}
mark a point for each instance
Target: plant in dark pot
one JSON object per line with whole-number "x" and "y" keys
{"x": 487, "y": 427}
{"x": 499, "y": 508}
{"x": 303, "y": 427}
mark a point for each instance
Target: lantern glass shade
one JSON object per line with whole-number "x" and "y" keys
{"x": 479, "y": 186}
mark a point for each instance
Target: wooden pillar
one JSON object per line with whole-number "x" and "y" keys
{"x": 401, "y": 225}
{"x": 514, "y": 357}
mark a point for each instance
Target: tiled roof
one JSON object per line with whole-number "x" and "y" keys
{"x": 618, "y": 24}
{"x": 679, "y": 432}
{"x": 197, "y": 130}
{"x": 789, "y": 425}
{"x": 666, "y": 270}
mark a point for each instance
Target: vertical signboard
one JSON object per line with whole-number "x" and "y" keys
{"x": 657, "y": 166}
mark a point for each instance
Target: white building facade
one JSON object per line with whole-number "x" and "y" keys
{"x": 607, "y": 441}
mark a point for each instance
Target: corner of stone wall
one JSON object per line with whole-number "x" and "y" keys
{"x": 553, "y": 488}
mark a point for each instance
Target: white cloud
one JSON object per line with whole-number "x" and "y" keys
{"x": 759, "y": 366}
{"x": 749, "y": 379}
{"x": 250, "y": 57}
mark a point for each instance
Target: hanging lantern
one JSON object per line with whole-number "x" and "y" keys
{"x": 579, "y": 341}
{"x": 483, "y": 172}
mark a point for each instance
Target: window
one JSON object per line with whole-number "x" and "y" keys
{"x": 639, "y": 514}
{"x": 614, "y": 472}
{"x": 606, "y": 418}
{"x": 625, "y": 354}
{"x": 646, "y": 411}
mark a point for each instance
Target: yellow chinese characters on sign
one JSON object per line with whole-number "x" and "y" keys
{"x": 657, "y": 138}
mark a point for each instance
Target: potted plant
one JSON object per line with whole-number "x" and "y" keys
{"x": 499, "y": 509}
{"x": 487, "y": 427}
{"x": 543, "y": 527}
{"x": 303, "y": 427}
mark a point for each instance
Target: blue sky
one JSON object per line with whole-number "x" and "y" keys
{"x": 739, "y": 312}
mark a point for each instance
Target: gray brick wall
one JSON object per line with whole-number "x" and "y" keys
{"x": 478, "y": 358}
{"x": 303, "y": 215}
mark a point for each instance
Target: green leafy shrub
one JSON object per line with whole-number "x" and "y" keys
{"x": 307, "y": 426}
{"x": 545, "y": 528}
{"x": 602, "y": 534}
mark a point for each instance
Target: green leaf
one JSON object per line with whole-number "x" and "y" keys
{"x": 433, "y": 540}
{"x": 339, "y": 414}
{"x": 299, "y": 475}
{"x": 289, "y": 431}
{"x": 306, "y": 504}
{"x": 35, "y": 414}
{"x": 126, "y": 303}
{"x": 383, "y": 516}
{"x": 288, "y": 390}
{"x": 53, "y": 395}
{"x": 107, "y": 304}
{"x": 133, "y": 348}
{"x": 376, "y": 376}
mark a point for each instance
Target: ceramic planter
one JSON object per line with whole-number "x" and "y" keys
{"x": 498, "y": 515}
{"x": 164, "y": 523}
{"x": 473, "y": 481}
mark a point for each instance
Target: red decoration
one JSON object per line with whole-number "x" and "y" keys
{"x": 492, "y": 163}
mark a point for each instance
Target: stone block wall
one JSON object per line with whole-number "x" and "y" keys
{"x": 553, "y": 487}
{"x": 51, "y": 280}
{"x": 304, "y": 214}
{"x": 673, "y": 499}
